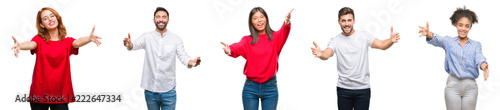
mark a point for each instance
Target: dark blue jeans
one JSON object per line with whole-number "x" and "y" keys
{"x": 267, "y": 92}
{"x": 358, "y": 99}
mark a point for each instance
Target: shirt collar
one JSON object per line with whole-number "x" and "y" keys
{"x": 164, "y": 34}
{"x": 458, "y": 40}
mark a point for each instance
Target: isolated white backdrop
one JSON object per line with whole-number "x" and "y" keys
{"x": 408, "y": 76}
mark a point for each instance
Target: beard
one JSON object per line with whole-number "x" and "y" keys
{"x": 160, "y": 28}
{"x": 348, "y": 31}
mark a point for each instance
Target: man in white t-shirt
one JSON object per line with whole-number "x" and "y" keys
{"x": 351, "y": 47}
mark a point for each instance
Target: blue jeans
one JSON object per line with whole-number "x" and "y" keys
{"x": 348, "y": 99}
{"x": 165, "y": 101}
{"x": 267, "y": 92}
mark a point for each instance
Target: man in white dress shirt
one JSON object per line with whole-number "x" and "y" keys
{"x": 158, "y": 75}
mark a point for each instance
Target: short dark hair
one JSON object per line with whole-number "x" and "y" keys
{"x": 345, "y": 11}
{"x": 463, "y": 12}
{"x": 161, "y": 9}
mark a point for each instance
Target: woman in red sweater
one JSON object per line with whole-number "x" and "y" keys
{"x": 261, "y": 49}
{"x": 51, "y": 82}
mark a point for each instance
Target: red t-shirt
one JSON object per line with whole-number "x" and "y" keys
{"x": 52, "y": 74}
{"x": 262, "y": 57}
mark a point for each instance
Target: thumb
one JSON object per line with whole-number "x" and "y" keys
{"x": 427, "y": 24}
{"x": 128, "y": 35}
{"x": 223, "y": 43}
{"x": 315, "y": 45}
{"x": 15, "y": 41}
{"x": 392, "y": 29}
{"x": 93, "y": 28}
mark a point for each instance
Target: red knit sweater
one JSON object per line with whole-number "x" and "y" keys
{"x": 262, "y": 57}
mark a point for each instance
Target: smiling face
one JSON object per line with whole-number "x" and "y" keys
{"x": 161, "y": 20}
{"x": 259, "y": 22}
{"x": 346, "y": 22}
{"x": 463, "y": 26}
{"x": 49, "y": 20}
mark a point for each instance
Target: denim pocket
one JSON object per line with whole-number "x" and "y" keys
{"x": 272, "y": 83}
{"x": 173, "y": 91}
{"x": 248, "y": 82}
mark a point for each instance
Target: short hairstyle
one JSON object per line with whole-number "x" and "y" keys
{"x": 161, "y": 9}
{"x": 345, "y": 11}
{"x": 463, "y": 12}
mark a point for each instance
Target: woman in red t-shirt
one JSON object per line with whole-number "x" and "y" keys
{"x": 261, "y": 49}
{"x": 51, "y": 81}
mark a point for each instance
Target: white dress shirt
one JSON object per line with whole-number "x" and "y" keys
{"x": 158, "y": 73}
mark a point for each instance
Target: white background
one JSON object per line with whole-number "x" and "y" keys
{"x": 408, "y": 76}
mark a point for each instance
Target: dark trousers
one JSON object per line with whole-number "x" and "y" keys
{"x": 358, "y": 99}
{"x": 43, "y": 106}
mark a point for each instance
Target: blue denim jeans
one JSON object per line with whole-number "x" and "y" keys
{"x": 348, "y": 99}
{"x": 165, "y": 101}
{"x": 267, "y": 92}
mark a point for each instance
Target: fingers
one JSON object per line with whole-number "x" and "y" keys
{"x": 198, "y": 61}
{"x": 127, "y": 40}
{"x": 97, "y": 40}
{"x": 315, "y": 50}
{"x": 15, "y": 47}
{"x": 195, "y": 62}
{"x": 289, "y": 13}
{"x": 486, "y": 73}
{"x": 421, "y": 27}
{"x": 423, "y": 30}
{"x": 226, "y": 48}
{"x": 397, "y": 37}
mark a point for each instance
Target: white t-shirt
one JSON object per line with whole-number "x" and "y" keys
{"x": 352, "y": 59}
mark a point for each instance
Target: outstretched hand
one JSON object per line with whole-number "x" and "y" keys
{"x": 94, "y": 38}
{"x": 226, "y": 48}
{"x": 424, "y": 31}
{"x": 486, "y": 71}
{"x": 288, "y": 16}
{"x": 394, "y": 36}
{"x": 195, "y": 62}
{"x": 127, "y": 42}
{"x": 316, "y": 51}
{"x": 16, "y": 47}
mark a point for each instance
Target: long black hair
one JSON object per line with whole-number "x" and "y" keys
{"x": 253, "y": 32}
